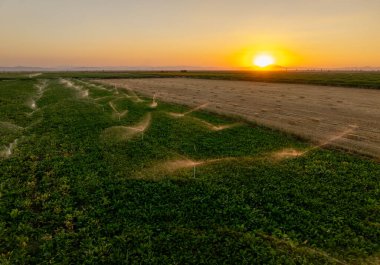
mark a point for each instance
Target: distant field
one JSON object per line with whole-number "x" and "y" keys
{"x": 348, "y": 118}
{"x": 345, "y": 79}
{"x": 96, "y": 174}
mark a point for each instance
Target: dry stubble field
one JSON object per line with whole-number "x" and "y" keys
{"x": 347, "y": 118}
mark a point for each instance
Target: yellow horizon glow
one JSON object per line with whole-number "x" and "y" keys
{"x": 282, "y": 56}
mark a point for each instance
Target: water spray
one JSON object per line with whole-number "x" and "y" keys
{"x": 180, "y": 115}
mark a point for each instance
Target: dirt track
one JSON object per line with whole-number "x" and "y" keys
{"x": 344, "y": 117}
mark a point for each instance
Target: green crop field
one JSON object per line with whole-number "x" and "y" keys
{"x": 333, "y": 78}
{"x": 91, "y": 174}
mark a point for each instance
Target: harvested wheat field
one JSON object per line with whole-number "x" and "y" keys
{"x": 347, "y": 118}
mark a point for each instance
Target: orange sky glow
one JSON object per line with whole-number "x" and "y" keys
{"x": 225, "y": 34}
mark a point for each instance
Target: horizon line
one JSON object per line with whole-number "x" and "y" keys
{"x": 21, "y": 68}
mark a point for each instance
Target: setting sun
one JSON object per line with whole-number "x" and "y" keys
{"x": 263, "y": 60}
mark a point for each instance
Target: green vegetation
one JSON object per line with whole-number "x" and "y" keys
{"x": 345, "y": 79}
{"x": 170, "y": 190}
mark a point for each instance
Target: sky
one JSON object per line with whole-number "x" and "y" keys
{"x": 205, "y": 33}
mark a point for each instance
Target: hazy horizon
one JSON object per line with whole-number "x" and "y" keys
{"x": 205, "y": 34}
{"x": 21, "y": 68}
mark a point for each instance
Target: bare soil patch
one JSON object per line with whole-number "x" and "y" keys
{"x": 347, "y": 118}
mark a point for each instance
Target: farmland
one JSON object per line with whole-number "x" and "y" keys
{"x": 347, "y": 118}
{"x": 359, "y": 79}
{"x": 97, "y": 174}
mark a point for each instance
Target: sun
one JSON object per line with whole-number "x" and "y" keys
{"x": 263, "y": 60}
